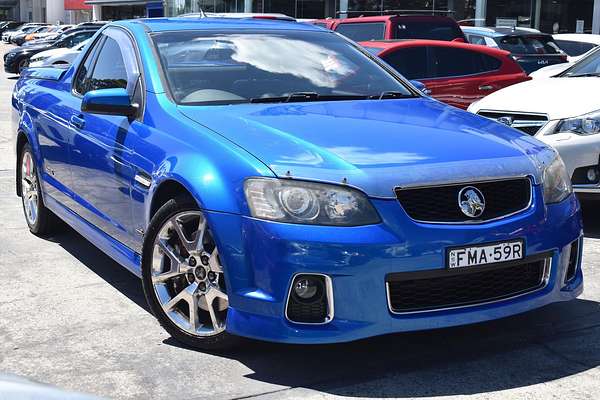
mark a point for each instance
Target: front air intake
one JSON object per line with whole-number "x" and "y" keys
{"x": 573, "y": 261}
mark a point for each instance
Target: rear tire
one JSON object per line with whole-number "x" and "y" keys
{"x": 183, "y": 278}
{"x": 40, "y": 220}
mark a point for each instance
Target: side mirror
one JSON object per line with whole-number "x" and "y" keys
{"x": 109, "y": 102}
{"x": 420, "y": 86}
{"x": 459, "y": 40}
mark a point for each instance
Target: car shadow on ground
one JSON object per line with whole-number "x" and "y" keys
{"x": 101, "y": 264}
{"x": 554, "y": 342}
{"x": 506, "y": 354}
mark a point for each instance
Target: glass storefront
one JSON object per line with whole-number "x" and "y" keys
{"x": 112, "y": 13}
{"x": 178, "y": 7}
{"x": 556, "y": 16}
{"x": 547, "y": 15}
{"x": 561, "y": 16}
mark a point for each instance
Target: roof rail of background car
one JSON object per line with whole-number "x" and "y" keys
{"x": 395, "y": 11}
{"x": 202, "y": 14}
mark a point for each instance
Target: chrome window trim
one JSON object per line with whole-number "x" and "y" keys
{"x": 469, "y": 222}
{"x": 328, "y": 292}
{"x": 543, "y": 285}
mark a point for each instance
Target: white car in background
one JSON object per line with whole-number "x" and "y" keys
{"x": 576, "y": 45}
{"x": 57, "y": 57}
{"x": 562, "y": 111}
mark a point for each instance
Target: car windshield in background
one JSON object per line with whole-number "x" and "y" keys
{"x": 573, "y": 48}
{"x": 431, "y": 31}
{"x": 589, "y": 66}
{"x": 528, "y": 45}
{"x": 227, "y": 68}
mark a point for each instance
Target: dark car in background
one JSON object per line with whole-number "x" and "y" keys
{"x": 530, "y": 48}
{"x": 86, "y": 26}
{"x": 17, "y": 59}
{"x": 455, "y": 73}
{"x": 386, "y": 27}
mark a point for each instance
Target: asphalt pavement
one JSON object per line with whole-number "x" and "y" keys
{"x": 73, "y": 318}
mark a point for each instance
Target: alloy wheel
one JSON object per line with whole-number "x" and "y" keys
{"x": 29, "y": 188}
{"x": 187, "y": 275}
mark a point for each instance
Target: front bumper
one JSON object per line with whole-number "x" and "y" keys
{"x": 10, "y": 65}
{"x": 262, "y": 257}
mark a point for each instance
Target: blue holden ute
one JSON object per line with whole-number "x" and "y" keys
{"x": 270, "y": 179}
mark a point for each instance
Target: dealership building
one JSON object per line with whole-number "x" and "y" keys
{"x": 547, "y": 15}
{"x": 550, "y": 16}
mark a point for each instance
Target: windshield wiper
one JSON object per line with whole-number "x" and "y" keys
{"x": 308, "y": 96}
{"x": 589, "y": 74}
{"x": 392, "y": 95}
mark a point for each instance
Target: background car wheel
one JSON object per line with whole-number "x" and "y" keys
{"x": 40, "y": 220}
{"x": 183, "y": 277}
{"x": 24, "y": 63}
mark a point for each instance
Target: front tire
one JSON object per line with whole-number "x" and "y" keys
{"x": 22, "y": 65}
{"x": 39, "y": 218}
{"x": 183, "y": 278}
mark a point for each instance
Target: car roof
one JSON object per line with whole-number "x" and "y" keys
{"x": 578, "y": 37}
{"x": 389, "y": 45}
{"x": 501, "y": 31}
{"x": 194, "y": 24}
{"x": 409, "y": 17}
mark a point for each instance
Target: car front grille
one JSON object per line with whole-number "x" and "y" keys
{"x": 411, "y": 292}
{"x": 439, "y": 204}
{"x": 527, "y": 123}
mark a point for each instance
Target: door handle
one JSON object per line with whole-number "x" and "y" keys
{"x": 486, "y": 87}
{"x": 77, "y": 121}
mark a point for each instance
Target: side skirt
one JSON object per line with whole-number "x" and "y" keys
{"x": 111, "y": 247}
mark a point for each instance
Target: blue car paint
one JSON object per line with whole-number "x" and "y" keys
{"x": 375, "y": 145}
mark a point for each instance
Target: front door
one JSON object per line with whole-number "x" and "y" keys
{"x": 102, "y": 148}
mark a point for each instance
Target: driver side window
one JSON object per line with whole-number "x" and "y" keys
{"x": 109, "y": 71}
{"x": 110, "y": 64}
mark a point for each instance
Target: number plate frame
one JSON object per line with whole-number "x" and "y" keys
{"x": 454, "y": 264}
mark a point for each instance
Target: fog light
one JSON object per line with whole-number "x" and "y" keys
{"x": 306, "y": 288}
{"x": 592, "y": 174}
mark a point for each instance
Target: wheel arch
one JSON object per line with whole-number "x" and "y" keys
{"x": 166, "y": 190}
{"x": 21, "y": 141}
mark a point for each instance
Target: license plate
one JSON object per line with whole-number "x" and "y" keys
{"x": 485, "y": 254}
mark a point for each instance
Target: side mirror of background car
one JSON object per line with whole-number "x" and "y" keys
{"x": 421, "y": 87}
{"x": 109, "y": 102}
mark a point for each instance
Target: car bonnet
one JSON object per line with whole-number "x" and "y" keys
{"x": 376, "y": 145}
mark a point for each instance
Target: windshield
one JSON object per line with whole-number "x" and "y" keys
{"x": 590, "y": 65}
{"x": 528, "y": 45}
{"x": 251, "y": 66}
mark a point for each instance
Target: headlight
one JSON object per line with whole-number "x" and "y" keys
{"x": 557, "y": 184}
{"x": 588, "y": 124}
{"x": 302, "y": 202}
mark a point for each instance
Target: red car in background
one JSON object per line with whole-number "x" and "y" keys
{"x": 386, "y": 27}
{"x": 455, "y": 73}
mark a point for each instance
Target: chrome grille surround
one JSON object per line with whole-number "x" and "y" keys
{"x": 529, "y": 123}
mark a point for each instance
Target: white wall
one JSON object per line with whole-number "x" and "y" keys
{"x": 55, "y": 11}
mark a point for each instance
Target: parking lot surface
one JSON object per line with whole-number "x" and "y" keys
{"x": 72, "y": 317}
